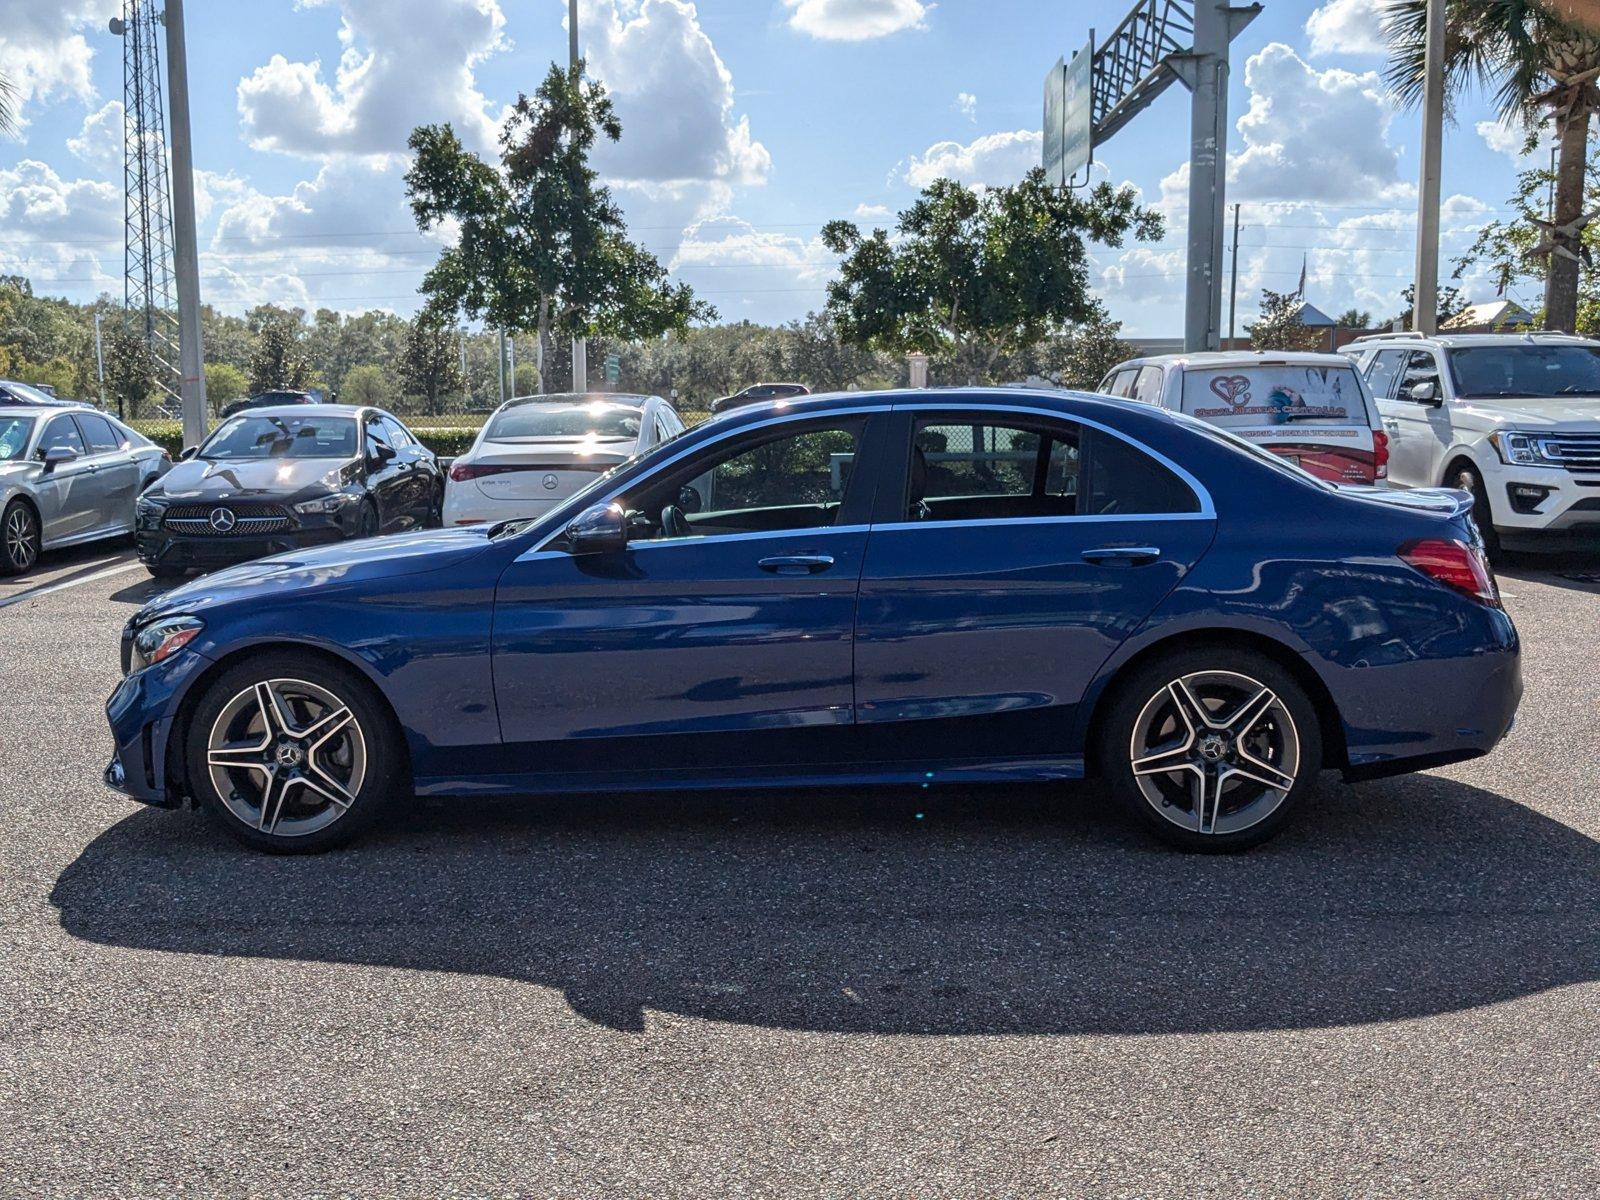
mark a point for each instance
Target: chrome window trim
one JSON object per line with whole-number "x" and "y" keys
{"x": 753, "y": 536}
{"x": 1207, "y": 511}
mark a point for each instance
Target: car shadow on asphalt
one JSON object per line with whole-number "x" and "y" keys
{"x": 1020, "y": 910}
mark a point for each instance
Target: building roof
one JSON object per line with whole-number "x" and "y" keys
{"x": 1495, "y": 314}
{"x": 1314, "y": 317}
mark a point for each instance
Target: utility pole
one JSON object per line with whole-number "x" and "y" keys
{"x": 185, "y": 253}
{"x": 580, "y": 348}
{"x": 1233, "y": 285}
{"x": 466, "y": 387}
{"x": 501, "y": 356}
{"x": 1425, "y": 296}
{"x": 1205, "y": 70}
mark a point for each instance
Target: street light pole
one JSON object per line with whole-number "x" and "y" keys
{"x": 1425, "y": 293}
{"x": 1233, "y": 285}
{"x": 185, "y": 252}
{"x": 580, "y": 348}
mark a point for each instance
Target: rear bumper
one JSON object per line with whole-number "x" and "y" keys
{"x": 463, "y": 507}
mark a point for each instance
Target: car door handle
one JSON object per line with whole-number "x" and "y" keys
{"x": 796, "y": 564}
{"x": 1128, "y": 555}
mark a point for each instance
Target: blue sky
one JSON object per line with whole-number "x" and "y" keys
{"x": 747, "y": 124}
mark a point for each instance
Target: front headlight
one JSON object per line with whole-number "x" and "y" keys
{"x": 149, "y": 506}
{"x": 325, "y": 504}
{"x": 1519, "y": 449}
{"x": 161, "y": 640}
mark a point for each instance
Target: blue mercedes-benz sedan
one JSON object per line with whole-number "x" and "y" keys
{"x": 929, "y": 586}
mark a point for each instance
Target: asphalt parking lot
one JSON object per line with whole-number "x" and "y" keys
{"x": 999, "y": 992}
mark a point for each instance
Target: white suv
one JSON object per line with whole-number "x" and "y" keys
{"x": 1512, "y": 418}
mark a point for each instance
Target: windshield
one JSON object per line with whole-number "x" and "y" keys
{"x": 1525, "y": 369}
{"x": 597, "y": 419}
{"x": 21, "y": 393}
{"x": 14, "y": 433}
{"x": 1237, "y": 397}
{"x": 250, "y": 436}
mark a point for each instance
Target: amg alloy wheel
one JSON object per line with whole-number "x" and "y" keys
{"x": 19, "y": 539}
{"x": 1212, "y": 757}
{"x": 293, "y": 754}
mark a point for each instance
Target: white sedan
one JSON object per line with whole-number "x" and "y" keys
{"x": 536, "y": 451}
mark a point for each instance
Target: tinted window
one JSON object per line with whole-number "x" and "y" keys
{"x": 1421, "y": 367}
{"x": 1122, "y": 382}
{"x": 793, "y": 481}
{"x": 97, "y": 430}
{"x": 286, "y": 436}
{"x": 14, "y": 433}
{"x": 1383, "y": 370}
{"x": 396, "y": 433}
{"x": 1525, "y": 370}
{"x": 62, "y": 431}
{"x": 1122, "y": 480}
{"x": 1147, "y": 385}
{"x": 598, "y": 419}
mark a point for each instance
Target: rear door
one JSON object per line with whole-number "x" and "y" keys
{"x": 116, "y": 472}
{"x": 1013, "y": 553}
{"x": 1313, "y": 415}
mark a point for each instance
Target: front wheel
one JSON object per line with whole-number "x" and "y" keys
{"x": 19, "y": 539}
{"x": 294, "y": 755}
{"x": 1211, "y": 749}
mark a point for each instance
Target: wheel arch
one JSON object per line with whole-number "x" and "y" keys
{"x": 1329, "y": 721}
{"x": 176, "y": 768}
{"x": 26, "y": 500}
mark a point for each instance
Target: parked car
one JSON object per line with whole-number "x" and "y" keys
{"x": 273, "y": 399}
{"x": 275, "y": 479}
{"x": 1310, "y": 408}
{"x": 758, "y": 392}
{"x": 925, "y": 587}
{"x": 1512, "y": 418}
{"x": 68, "y": 475}
{"x": 535, "y": 451}
{"x": 25, "y": 395}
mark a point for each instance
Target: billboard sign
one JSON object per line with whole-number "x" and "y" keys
{"x": 1068, "y": 92}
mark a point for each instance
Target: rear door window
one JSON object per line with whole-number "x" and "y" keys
{"x": 1383, "y": 371}
{"x": 98, "y": 433}
{"x": 1147, "y": 387}
{"x": 1275, "y": 394}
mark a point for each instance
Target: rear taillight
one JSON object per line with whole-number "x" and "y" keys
{"x": 1380, "y": 453}
{"x": 1454, "y": 564}
{"x": 461, "y": 472}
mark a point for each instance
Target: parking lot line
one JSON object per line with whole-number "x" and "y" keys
{"x": 61, "y": 586}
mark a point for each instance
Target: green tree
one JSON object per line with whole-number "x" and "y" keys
{"x": 815, "y": 355}
{"x": 1450, "y": 303}
{"x": 979, "y": 274}
{"x": 367, "y": 384}
{"x": 130, "y": 369}
{"x": 1355, "y": 318}
{"x": 225, "y": 382}
{"x": 1082, "y": 358}
{"x": 1541, "y": 66}
{"x": 279, "y": 358}
{"x": 541, "y": 246}
{"x": 430, "y": 366}
{"x": 1279, "y": 326}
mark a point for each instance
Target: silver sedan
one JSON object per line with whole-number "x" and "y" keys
{"x": 67, "y": 475}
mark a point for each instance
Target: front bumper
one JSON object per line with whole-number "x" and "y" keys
{"x": 1569, "y": 503}
{"x": 164, "y": 548}
{"x": 141, "y": 711}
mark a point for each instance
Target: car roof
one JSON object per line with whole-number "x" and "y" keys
{"x": 35, "y": 410}
{"x": 620, "y": 399}
{"x": 307, "y": 410}
{"x": 1205, "y": 359}
{"x": 1067, "y": 402}
{"x": 1451, "y": 340}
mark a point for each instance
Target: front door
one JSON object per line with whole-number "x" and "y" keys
{"x": 71, "y": 495}
{"x": 1028, "y": 549}
{"x": 721, "y": 637}
{"x": 1419, "y": 431}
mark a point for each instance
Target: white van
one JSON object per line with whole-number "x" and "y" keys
{"x": 1313, "y": 409}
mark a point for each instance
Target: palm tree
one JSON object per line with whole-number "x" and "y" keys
{"x": 1539, "y": 65}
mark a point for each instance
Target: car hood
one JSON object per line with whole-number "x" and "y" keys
{"x": 361, "y": 561}
{"x": 1575, "y": 414}
{"x": 199, "y": 481}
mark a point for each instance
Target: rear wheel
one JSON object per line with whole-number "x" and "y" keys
{"x": 19, "y": 538}
{"x": 294, "y": 755}
{"x": 1211, "y": 749}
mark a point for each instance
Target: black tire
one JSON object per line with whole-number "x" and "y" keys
{"x": 165, "y": 571}
{"x": 20, "y": 542}
{"x": 1468, "y": 480}
{"x": 295, "y": 819}
{"x": 367, "y": 523}
{"x": 1285, "y": 742}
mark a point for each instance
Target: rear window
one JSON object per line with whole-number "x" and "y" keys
{"x": 1252, "y": 396}
{"x": 597, "y": 419}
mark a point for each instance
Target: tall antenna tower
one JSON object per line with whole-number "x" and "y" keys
{"x": 148, "y": 286}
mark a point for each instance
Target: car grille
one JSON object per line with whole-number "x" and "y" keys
{"x": 1574, "y": 451}
{"x": 250, "y": 519}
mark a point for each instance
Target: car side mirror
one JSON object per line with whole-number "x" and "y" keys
{"x": 689, "y": 499}
{"x": 188, "y": 453}
{"x": 602, "y": 529}
{"x": 1424, "y": 393}
{"x": 380, "y": 454}
{"x": 56, "y": 455}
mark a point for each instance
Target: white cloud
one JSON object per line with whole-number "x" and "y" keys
{"x": 402, "y": 65}
{"x": 673, "y": 94}
{"x": 750, "y": 274}
{"x": 967, "y": 105}
{"x": 60, "y": 229}
{"x": 855, "y": 20}
{"x": 873, "y": 212}
{"x": 1314, "y": 135}
{"x": 1347, "y": 27}
{"x": 43, "y": 50}
{"x": 99, "y": 142}
{"x": 995, "y": 159}
{"x": 1511, "y": 140}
